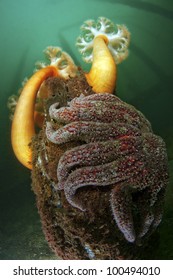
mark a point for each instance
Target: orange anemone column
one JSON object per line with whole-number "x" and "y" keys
{"x": 23, "y": 128}
{"x": 103, "y": 73}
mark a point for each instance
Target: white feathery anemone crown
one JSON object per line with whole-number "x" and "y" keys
{"x": 61, "y": 60}
{"x": 118, "y": 38}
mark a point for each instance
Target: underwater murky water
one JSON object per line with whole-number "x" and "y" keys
{"x": 144, "y": 80}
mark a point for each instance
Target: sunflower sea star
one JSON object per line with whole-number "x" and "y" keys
{"x": 118, "y": 150}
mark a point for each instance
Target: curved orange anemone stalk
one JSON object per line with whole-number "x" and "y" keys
{"x": 103, "y": 74}
{"x": 23, "y": 122}
{"x": 103, "y": 44}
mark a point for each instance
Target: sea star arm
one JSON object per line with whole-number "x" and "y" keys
{"x": 107, "y": 174}
{"x": 121, "y": 202}
{"x": 89, "y": 132}
{"x": 104, "y": 109}
{"x": 94, "y": 154}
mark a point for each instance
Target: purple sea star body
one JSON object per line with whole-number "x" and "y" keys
{"x": 117, "y": 149}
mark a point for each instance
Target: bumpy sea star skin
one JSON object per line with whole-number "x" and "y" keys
{"x": 118, "y": 149}
{"x": 97, "y": 107}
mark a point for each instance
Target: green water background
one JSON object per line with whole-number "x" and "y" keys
{"x": 144, "y": 80}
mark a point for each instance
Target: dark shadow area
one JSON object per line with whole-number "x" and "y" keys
{"x": 156, "y": 102}
{"x": 21, "y": 235}
{"x": 145, "y": 6}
